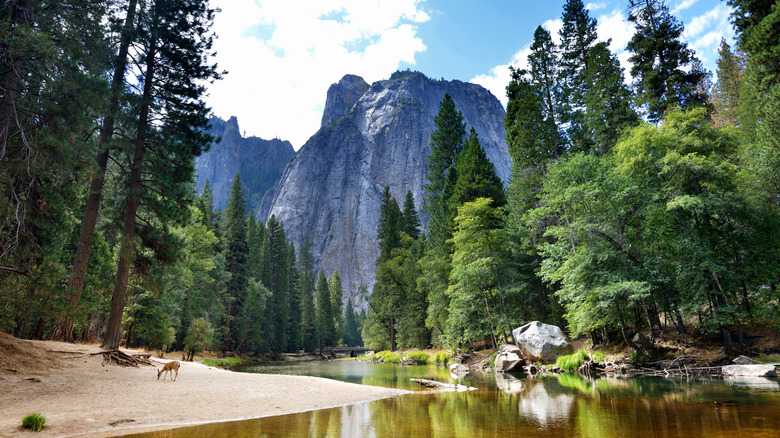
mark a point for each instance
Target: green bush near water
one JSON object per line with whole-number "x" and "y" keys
{"x": 441, "y": 357}
{"x": 420, "y": 357}
{"x": 388, "y": 357}
{"x": 572, "y": 361}
{"x": 34, "y": 422}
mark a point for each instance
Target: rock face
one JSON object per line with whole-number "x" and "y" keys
{"x": 260, "y": 163}
{"x": 541, "y": 342}
{"x": 331, "y": 191}
{"x": 509, "y": 359}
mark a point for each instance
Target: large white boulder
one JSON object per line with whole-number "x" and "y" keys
{"x": 541, "y": 342}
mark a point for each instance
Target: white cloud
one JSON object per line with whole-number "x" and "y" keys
{"x": 282, "y": 56}
{"x": 683, "y": 5}
{"x": 595, "y": 6}
{"x": 704, "y": 32}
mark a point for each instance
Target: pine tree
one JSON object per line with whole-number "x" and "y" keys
{"x": 446, "y": 144}
{"x": 726, "y": 92}
{"x": 170, "y": 132}
{"x": 236, "y": 253}
{"x": 306, "y": 285}
{"x": 336, "y": 303}
{"x": 350, "y": 333}
{"x": 607, "y": 100}
{"x": 544, "y": 76}
{"x": 476, "y": 177}
{"x": 410, "y": 220}
{"x": 659, "y": 58}
{"x": 388, "y": 231}
{"x": 277, "y": 283}
{"x": 578, "y": 35}
{"x": 530, "y": 136}
{"x": 324, "y": 313}
{"x": 294, "y": 334}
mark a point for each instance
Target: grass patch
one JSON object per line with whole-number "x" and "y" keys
{"x": 598, "y": 356}
{"x": 441, "y": 357}
{"x": 420, "y": 357}
{"x": 224, "y": 363}
{"x": 388, "y": 357}
{"x": 34, "y": 422}
{"x": 572, "y": 361}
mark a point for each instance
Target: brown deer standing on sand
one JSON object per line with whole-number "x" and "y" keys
{"x": 169, "y": 367}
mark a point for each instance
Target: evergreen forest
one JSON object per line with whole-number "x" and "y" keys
{"x": 651, "y": 206}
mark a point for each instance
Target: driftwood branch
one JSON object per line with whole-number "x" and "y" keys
{"x": 440, "y": 385}
{"x": 123, "y": 359}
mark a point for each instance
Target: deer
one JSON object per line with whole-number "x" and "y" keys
{"x": 169, "y": 367}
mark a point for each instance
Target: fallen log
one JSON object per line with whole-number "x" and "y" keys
{"x": 440, "y": 385}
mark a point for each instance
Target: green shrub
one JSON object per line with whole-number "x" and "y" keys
{"x": 441, "y": 357}
{"x": 34, "y": 422}
{"x": 572, "y": 361}
{"x": 637, "y": 357}
{"x": 388, "y": 357}
{"x": 420, "y": 357}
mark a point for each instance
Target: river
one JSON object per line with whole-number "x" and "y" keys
{"x": 509, "y": 405}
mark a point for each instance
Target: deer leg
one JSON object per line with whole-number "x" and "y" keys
{"x": 177, "y": 374}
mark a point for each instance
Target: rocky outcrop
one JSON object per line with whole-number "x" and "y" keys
{"x": 342, "y": 96}
{"x": 541, "y": 342}
{"x": 260, "y": 163}
{"x": 331, "y": 191}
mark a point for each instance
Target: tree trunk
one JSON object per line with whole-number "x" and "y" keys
{"x": 127, "y": 248}
{"x": 392, "y": 333}
{"x": 11, "y": 80}
{"x": 64, "y": 329}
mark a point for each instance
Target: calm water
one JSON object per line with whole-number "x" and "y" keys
{"x": 513, "y": 405}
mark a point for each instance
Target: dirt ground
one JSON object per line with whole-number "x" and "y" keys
{"x": 79, "y": 396}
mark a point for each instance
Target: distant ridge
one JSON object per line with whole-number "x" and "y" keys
{"x": 260, "y": 163}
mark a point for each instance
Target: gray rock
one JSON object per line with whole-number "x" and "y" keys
{"x": 260, "y": 163}
{"x": 331, "y": 191}
{"x": 762, "y": 370}
{"x": 509, "y": 359}
{"x": 541, "y": 342}
{"x": 459, "y": 369}
{"x": 743, "y": 360}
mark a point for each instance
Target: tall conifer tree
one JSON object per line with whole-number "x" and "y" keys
{"x": 544, "y": 76}
{"x": 578, "y": 35}
{"x": 661, "y": 60}
{"x": 236, "y": 254}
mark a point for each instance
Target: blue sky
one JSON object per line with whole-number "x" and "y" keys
{"x": 282, "y": 55}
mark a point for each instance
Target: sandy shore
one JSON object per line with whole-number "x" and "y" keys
{"x": 80, "y": 397}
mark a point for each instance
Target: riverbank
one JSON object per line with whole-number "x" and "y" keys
{"x": 79, "y": 396}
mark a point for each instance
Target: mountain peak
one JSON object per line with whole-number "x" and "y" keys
{"x": 342, "y": 96}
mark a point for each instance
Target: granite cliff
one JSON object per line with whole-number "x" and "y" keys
{"x": 371, "y": 137}
{"x": 260, "y": 163}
